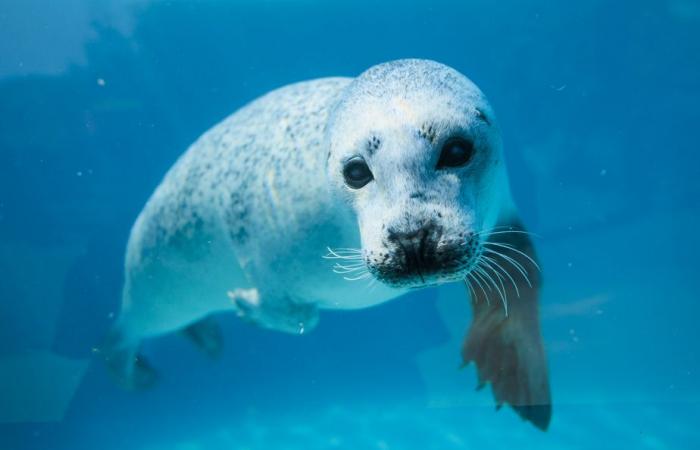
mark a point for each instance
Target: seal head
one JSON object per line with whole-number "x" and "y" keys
{"x": 414, "y": 150}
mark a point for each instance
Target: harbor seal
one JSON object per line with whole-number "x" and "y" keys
{"x": 396, "y": 177}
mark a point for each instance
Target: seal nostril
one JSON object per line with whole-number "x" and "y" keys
{"x": 418, "y": 248}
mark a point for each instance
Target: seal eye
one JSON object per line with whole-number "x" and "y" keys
{"x": 357, "y": 173}
{"x": 456, "y": 152}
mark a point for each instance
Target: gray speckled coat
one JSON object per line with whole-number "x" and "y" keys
{"x": 243, "y": 219}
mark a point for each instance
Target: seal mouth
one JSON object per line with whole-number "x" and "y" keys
{"x": 419, "y": 279}
{"x": 416, "y": 267}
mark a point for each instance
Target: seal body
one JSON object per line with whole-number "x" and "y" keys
{"x": 305, "y": 196}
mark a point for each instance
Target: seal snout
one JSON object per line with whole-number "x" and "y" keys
{"x": 419, "y": 257}
{"x": 417, "y": 248}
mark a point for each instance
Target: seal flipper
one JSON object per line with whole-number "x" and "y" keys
{"x": 276, "y": 312}
{"x": 130, "y": 369}
{"x": 507, "y": 347}
{"x": 206, "y": 335}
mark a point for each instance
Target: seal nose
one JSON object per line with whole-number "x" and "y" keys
{"x": 418, "y": 247}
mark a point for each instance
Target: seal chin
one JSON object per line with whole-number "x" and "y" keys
{"x": 419, "y": 282}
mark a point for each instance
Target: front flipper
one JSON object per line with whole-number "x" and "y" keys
{"x": 505, "y": 340}
{"x": 206, "y": 335}
{"x": 276, "y": 312}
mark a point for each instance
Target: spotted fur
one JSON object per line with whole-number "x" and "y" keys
{"x": 244, "y": 218}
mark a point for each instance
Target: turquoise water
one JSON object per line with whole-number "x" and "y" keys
{"x": 598, "y": 105}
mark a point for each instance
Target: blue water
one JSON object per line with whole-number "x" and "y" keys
{"x": 598, "y": 103}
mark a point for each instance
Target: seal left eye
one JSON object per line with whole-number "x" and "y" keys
{"x": 357, "y": 173}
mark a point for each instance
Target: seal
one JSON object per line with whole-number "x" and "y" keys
{"x": 396, "y": 177}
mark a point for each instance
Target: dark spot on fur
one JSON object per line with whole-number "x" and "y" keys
{"x": 373, "y": 144}
{"x": 428, "y": 132}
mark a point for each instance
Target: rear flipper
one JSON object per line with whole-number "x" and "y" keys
{"x": 130, "y": 369}
{"x": 505, "y": 340}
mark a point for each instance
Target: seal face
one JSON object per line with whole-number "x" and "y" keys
{"x": 416, "y": 145}
{"x": 395, "y": 176}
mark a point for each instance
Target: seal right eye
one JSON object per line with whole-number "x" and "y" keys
{"x": 357, "y": 173}
{"x": 455, "y": 153}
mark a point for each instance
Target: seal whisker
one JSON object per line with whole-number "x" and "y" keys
{"x": 490, "y": 283}
{"x": 498, "y": 266}
{"x": 355, "y": 269}
{"x": 342, "y": 254}
{"x": 472, "y": 294}
{"x": 344, "y": 271}
{"x": 495, "y": 285}
{"x": 499, "y": 277}
{"x": 476, "y": 279}
{"x": 510, "y": 247}
{"x": 479, "y": 271}
{"x": 496, "y": 228}
{"x": 362, "y": 276}
{"x": 348, "y": 250}
{"x": 371, "y": 284}
{"x": 352, "y": 266}
{"x": 482, "y": 232}
{"x": 499, "y": 230}
{"x": 348, "y": 256}
{"x": 514, "y": 263}
{"x": 469, "y": 280}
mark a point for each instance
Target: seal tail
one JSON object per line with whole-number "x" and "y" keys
{"x": 507, "y": 346}
{"x": 130, "y": 369}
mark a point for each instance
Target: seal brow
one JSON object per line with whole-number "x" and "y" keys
{"x": 428, "y": 131}
{"x": 481, "y": 115}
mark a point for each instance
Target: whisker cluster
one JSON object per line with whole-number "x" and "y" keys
{"x": 489, "y": 275}
{"x": 353, "y": 266}
{"x": 504, "y": 230}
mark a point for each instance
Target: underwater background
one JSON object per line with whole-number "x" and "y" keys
{"x": 598, "y": 105}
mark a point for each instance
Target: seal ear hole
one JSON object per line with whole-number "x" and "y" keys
{"x": 456, "y": 152}
{"x": 356, "y": 173}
